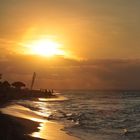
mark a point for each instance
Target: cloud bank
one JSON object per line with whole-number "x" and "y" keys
{"x": 61, "y": 73}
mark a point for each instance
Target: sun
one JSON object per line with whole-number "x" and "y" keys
{"x": 45, "y": 47}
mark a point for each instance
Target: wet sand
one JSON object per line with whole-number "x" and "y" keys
{"x": 52, "y": 131}
{"x": 20, "y": 123}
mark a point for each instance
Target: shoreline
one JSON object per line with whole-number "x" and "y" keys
{"x": 54, "y": 130}
{"x": 17, "y": 128}
{"x": 12, "y": 128}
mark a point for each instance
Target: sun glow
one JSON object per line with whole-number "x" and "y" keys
{"x": 45, "y": 47}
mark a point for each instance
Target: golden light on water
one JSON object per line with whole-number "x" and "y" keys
{"x": 45, "y": 47}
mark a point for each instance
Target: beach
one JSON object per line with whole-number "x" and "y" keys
{"x": 73, "y": 115}
{"x": 20, "y": 123}
{"x": 13, "y": 128}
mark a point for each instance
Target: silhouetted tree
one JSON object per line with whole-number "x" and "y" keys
{"x": 18, "y": 85}
{"x": 5, "y": 85}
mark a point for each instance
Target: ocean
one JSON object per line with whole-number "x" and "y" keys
{"x": 93, "y": 115}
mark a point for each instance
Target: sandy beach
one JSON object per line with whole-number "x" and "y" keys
{"x": 12, "y": 128}
{"x": 20, "y": 123}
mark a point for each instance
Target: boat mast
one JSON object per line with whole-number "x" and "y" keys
{"x": 33, "y": 80}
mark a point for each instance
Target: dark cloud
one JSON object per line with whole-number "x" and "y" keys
{"x": 67, "y": 73}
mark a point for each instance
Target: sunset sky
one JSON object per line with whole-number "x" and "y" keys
{"x": 96, "y": 43}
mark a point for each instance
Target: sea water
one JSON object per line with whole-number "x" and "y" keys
{"x": 93, "y": 115}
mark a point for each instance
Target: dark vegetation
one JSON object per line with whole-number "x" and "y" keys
{"x": 18, "y": 90}
{"x": 12, "y": 128}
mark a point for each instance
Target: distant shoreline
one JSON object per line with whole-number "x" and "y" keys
{"x": 13, "y": 94}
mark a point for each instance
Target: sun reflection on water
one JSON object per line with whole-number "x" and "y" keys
{"x": 60, "y": 98}
{"x": 38, "y": 134}
{"x": 37, "y": 119}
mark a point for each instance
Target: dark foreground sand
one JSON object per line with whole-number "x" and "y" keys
{"x": 21, "y": 123}
{"x": 12, "y": 128}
